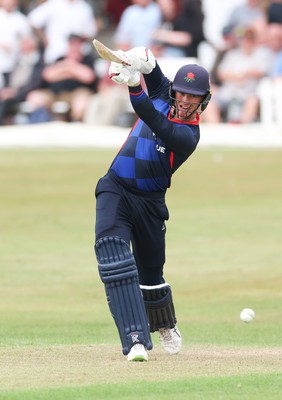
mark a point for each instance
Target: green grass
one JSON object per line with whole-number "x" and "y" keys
{"x": 239, "y": 387}
{"x": 223, "y": 254}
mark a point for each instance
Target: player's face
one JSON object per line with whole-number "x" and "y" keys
{"x": 187, "y": 105}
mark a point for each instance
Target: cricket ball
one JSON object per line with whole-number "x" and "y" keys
{"x": 247, "y": 315}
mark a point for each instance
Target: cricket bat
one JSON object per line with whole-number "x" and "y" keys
{"x": 108, "y": 54}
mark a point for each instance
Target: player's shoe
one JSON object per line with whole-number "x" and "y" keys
{"x": 137, "y": 353}
{"x": 170, "y": 340}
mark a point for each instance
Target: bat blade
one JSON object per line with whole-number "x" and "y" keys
{"x": 107, "y": 54}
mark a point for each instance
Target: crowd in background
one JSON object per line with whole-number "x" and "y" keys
{"x": 49, "y": 69}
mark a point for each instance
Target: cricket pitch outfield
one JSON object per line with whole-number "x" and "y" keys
{"x": 223, "y": 254}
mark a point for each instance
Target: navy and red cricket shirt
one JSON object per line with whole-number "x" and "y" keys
{"x": 157, "y": 144}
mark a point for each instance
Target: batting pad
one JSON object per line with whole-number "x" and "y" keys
{"x": 119, "y": 274}
{"x": 159, "y": 305}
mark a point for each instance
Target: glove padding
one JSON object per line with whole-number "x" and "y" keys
{"x": 141, "y": 59}
{"x": 121, "y": 74}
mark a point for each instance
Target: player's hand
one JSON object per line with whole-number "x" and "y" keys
{"x": 141, "y": 59}
{"x": 123, "y": 75}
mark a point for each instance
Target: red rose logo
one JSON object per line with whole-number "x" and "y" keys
{"x": 190, "y": 77}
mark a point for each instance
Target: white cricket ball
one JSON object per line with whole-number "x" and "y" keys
{"x": 247, "y": 315}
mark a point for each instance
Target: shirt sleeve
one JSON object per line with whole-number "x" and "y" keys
{"x": 154, "y": 81}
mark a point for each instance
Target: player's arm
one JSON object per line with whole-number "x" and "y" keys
{"x": 154, "y": 80}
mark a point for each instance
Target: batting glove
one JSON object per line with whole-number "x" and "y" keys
{"x": 123, "y": 75}
{"x": 141, "y": 59}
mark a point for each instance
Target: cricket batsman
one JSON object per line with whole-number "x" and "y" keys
{"x": 130, "y": 199}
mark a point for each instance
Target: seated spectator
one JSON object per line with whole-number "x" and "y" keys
{"x": 137, "y": 24}
{"x": 54, "y": 21}
{"x": 111, "y": 104}
{"x": 249, "y": 14}
{"x": 240, "y": 71}
{"x": 182, "y": 28}
{"x": 26, "y": 76}
{"x": 270, "y": 88}
{"x": 14, "y": 27}
{"x": 274, "y": 42}
{"x": 229, "y": 42}
{"x": 277, "y": 67}
{"x": 71, "y": 80}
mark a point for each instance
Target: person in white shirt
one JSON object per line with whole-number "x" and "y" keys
{"x": 14, "y": 27}
{"x": 239, "y": 73}
{"x": 55, "y": 20}
{"x": 137, "y": 24}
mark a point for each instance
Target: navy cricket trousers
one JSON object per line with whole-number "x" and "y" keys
{"x": 137, "y": 218}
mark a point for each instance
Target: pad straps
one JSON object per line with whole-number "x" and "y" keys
{"x": 159, "y": 306}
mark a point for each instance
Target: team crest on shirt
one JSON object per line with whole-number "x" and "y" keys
{"x": 190, "y": 77}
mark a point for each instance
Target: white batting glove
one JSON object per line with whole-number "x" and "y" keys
{"x": 141, "y": 59}
{"x": 122, "y": 75}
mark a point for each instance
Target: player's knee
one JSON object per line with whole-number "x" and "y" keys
{"x": 119, "y": 274}
{"x": 115, "y": 259}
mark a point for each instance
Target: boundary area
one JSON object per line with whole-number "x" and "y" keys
{"x": 62, "y": 134}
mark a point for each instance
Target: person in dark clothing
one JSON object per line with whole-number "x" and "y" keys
{"x": 71, "y": 80}
{"x": 130, "y": 199}
{"x": 182, "y": 29}
{"x": 274, "y": 12}
{"x": 26, "y": 78}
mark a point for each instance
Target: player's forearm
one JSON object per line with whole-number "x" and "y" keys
{"x": 154, "y": 79}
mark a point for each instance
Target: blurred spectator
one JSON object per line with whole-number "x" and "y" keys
{"x": 274, "y": 12}
{"x": 250, "y": 14}
{"x": 229, "y": 42}
{"x": 277, "y": 68}
{"x": 26, "y": 76}
{"x": 182, "y": 28}
{"x": 70, "y": 82}
{"x": 245, "y": 14}
{"x": 114, "y": 10}
{"x": 274, "y": 41}
{"x": 14, "y": 27}
{"x": 270, "y": 88}
{"x": 111, "y": 104}
{"x": 240, "y": 71}
{"x": 54, "y": 21}
{"x": 137, "y": 24}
